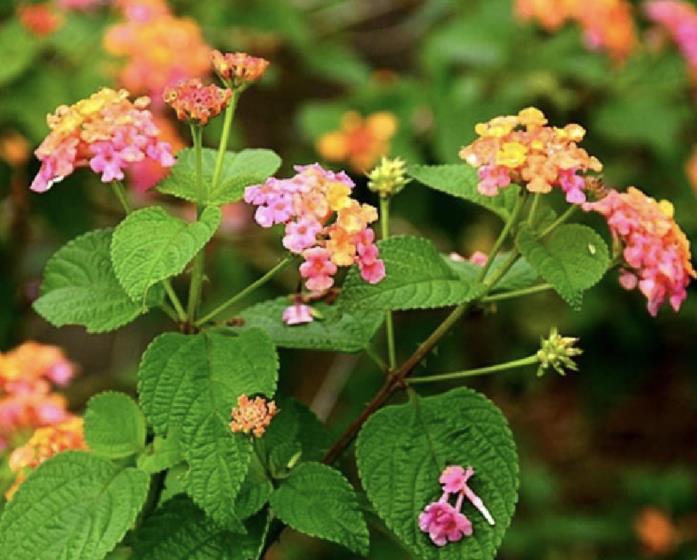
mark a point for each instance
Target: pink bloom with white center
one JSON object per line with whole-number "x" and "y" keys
{"x": 573, "y": 185}
{"x": 454, "y": 481}
{"x": 298, "y": 314}
{"x": 318, "y": 269}
{"x": 301, "y": 235}
{"x": 444, "y": 523}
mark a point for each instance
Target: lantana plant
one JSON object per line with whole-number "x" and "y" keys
{"x": 210, "y": 461}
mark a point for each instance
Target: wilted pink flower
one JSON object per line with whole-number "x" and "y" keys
{"x": 297, "y": 314}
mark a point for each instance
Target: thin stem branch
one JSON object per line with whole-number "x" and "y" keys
{"x": 521, "y": 362}
{"x": 171, "y": 294}
{"x": 533, "y": 208}
{"x": 199, "y": 260}
{"x": 389, "y": 321}
{"x": 243, "y": 293}
{"x": 560, "y": 220}
{"x": 224, "y": 140}
{"x": 517, "y": 293}
{"x": 120, "y": 192}
{"x": 503, "y": 235}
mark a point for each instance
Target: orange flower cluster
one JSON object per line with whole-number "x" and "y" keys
{"x": 196, "y": 103}
{"x": 523, "y": 149}
{"x": 44, "y": 444}
{"x": 252, "y": 416}
{"x": 607, "y": 24}
{"x": 39, "y": 19}
{"x": 237, "y": 70}
{"x": 159, "y": 48}
{"x": 360, "y": 141}
{"x": 27, "y": 376}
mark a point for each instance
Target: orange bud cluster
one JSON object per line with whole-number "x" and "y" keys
{"x": 237, "y": 70}
{"x": 196, "y": 103}
{"x": 252, "y": 416}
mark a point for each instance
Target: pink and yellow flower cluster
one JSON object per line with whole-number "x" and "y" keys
{"x": 28, "y": 374}
{"x": 523, "y": 149}
{"x": 252, "y": 416}
{"x": 656, "y": 251}
{"x": 444, "y": 522}
{"x": 322, "y": 223}
{"x": 197, "y": 103}
{"x": 607, "y": 24}
{"x": 158, "y": 48}
{"x": 679, "y": 19}
{"x": 107, "y": 131}
{"x": 44, "y": 444}
{"x": 360, "y": 141}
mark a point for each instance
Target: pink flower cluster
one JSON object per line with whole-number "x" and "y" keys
{"x": 322, "y": 223}
{"x": 106, "y": 131}
{"x": 444, "y": 522}
{"x": 656, "y": 251}
{"x": 680, "y": 20}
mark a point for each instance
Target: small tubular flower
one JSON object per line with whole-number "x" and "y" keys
{"x": 252, "y": 416}
{"x": 523, "y": 149}
{"x": 298, "y": 314}
{"x": 388, "y": 177}
{"x": 44, "y": 444}
{"x": 238, "y": 70}
{"x": 558, "y": 352}
{"x": 656, "y": 251}
{"x": 360, "y": 141}
{"x": 197, "y": 103}
{"x": 322, "y": 223}
{"x": 106, "y": 132}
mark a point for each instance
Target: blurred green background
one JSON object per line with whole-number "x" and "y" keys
{"x": 608, "y": 455}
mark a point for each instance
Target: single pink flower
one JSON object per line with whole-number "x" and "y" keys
{"x": 444, "y": 523}
{"x": 301, "y": 235}
{"x": 318, "y": 269}
{"x": 297, "y": 314}
{"x": 479, "y": 258}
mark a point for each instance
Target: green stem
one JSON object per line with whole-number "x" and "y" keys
{"x": 243, "y": 293}
{"x": 503, "y": 235}
{"x": 169, "y": 311}
{"x": 224, "y": 139}
{"x": 120, "y": 192}
{"x": 521, "y": 362}
{"x": 517, "y": 293}
{"x": 502, "y": 270}
{"x": 178, "y": 307}
{"x": 560, "y": 220}
{"x": 533, "y": 208}
{"x": 199, "y": 260}
{"x": 389, "y": 321}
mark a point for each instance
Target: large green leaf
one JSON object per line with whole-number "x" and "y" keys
{"x": 460, "y": 180}
{"x": 114, "y": 425}
{"x": 402, "y": 450}
{"x": 416, "y": 277}
{"x": 151, "y": 245}
{"x": 573, "y": 258}
{"x": 240, "y": 170}
{"x": 521, "y": 274}
{"x": 18, "y": 48}
{"x": 80, "y": 288}
{"x": 318, "y": 501}
{"x": 192, "y": 383}
{"x": 179, "y": 530}
{"x": 337, "y": 329}
{"x": 75, "y": 505}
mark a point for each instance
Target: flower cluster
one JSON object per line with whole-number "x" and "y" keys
{"x": 522, "y": 149}
{"x": 27, "y": 376}
{"x": 679, "y": 19}
{"x": 558, "y": 352}
{"x": 197, "y": 103}
{"x": 39, "y": 19}
{"x": 607, "y": 24}
{"x": 306, "y": 204}
{"x": 656, "y": 251}
{"x": 360, "y": 141}
{"x": 106, "y": 131}
{"x": 44, "y": 444}
{"x": 158, "y": 48}
{"x": 238, "y": 70}
{"x": 252, "y": 416}
{"x": 444, "y": 522}
{"x": 389, "y": 177}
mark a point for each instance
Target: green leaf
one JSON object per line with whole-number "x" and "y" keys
{"x": 150, "y": 245}
{"x": 460, "y": 180}
{"x": 163, "y": 454}
{"x": 179, "y": 530}
{"x": 573, "y": 258}
{"x": 114, "y": 425}
{"x": 240, "y": 170}
{"x": 416, "y": 278}
{"x": 521, "y": 274}
{"x": 402, "y": 450}
{"x": 255, "y": 490}
{"x": 192, "y": 383}
{"x": 318, "y": 501}
{"x": 75, "y": 505}
{"x": 80, "y": 288}
{"x": 18, "y": 48}
{"x": 338, "y": 329}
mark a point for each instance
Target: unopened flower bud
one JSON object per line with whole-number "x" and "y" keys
{"x": 388, "y": 177}
{"x": 238, "y": 70}
{"x": 558, "y": 352}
